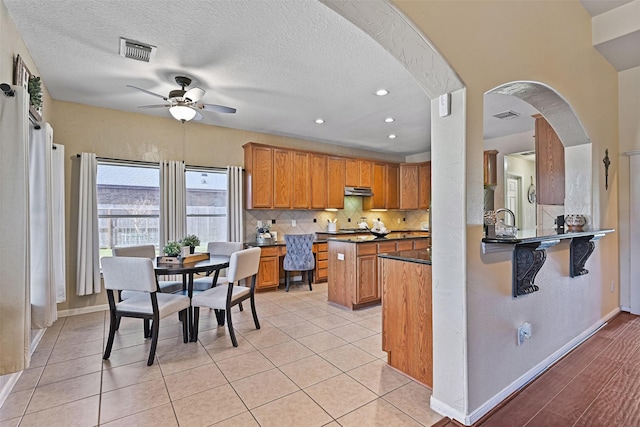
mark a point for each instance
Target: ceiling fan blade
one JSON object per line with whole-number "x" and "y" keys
{"x": 156, "y": 106}
{"x": 216, "y": 108}
{"x": 194, "y": 94}
{"x": 197, "y": 117}
{"x": 149, "y": 92}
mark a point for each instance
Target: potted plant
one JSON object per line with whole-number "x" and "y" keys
{"x": 172, "y": 248}
{"x": 192, "y": 241}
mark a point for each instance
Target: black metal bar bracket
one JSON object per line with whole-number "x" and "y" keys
{"x": 528, "y": 259}
{"x": 580, "y": 251}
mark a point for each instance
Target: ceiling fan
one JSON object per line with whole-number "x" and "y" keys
{"x": 183, "y": 104}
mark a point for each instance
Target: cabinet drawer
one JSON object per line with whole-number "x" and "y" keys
{"x": 405, "y": 245}
{"x": 322, "y": 255}
{"x": 322, "y": 273}
{"x": 322, "y": 264}
{"x": 321, "y": 247}
{"x": 269, "y": 251}
{"x": 366, "y": 248}
{"x": 386, "y": 247}
{"x": 421, "y": 243}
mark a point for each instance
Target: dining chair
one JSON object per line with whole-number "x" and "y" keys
{"x": 146, "y": 251}
{"x": 216, "y": 248}
{"x": 299, "y": 257}
{"x": 243, "y": 265}
{"x": 137, "y": 274}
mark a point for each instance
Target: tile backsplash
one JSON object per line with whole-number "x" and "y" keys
{"x": 311, "y": 221}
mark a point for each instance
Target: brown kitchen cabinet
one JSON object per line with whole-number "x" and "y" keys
{"x": 409, "y": 187}
{"x": 301, "y": 180}
{"x": 319, "y": 181}
{"x": 550, "y": 185}
{"x": 424, "y": 185}
{"x": 358, "y": 172}
{"x": 322, "y": 265}
{"x": 392, "y": 190}
{"x": 335, "y": 182}
{"x": 490, "y": 168}
{"x": 379, "y": 186}
{"x": 269, "y": 269}
{"x": 367, "y": 279}
{"x": 282, "y": 178}
{"x": 258, "y": 164}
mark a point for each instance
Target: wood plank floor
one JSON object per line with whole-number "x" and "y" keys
{"x": 597, "y": 384}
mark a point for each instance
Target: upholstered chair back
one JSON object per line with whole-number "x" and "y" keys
{"x": 128, "y": 273}
{"x": 299, "y": 255}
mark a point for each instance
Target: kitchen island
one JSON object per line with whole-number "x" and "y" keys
{"x": 407, "y": 327}
{"x": 353, "y": 265}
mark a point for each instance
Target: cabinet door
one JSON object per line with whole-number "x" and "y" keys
{"x": 424, "y": 185}
{"x": 352, "y": 173}
{"x": 379, "y": 186}
{"x": 318, "y": 181}
{"x": 367, "y": 273}
{"x": 268, "y": 272}
{"x": 490, "y": 168}
{"x": 365, "y": 169}
{"x": 392, "y": 199}
{"x": 409, "y": 187}
{"x": 301, "y": 180}
{"x": 549, "y": 164}
{"x": 260, "y": 181}
{"x": 282, "y": 187}
{"x": 335, "y": 186}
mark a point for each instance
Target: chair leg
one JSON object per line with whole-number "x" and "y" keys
{"x": 147, "y": 330}
{"x": 118, "y": 323}
{"x": 241, "y": 308}
{"x": 234, "y": 341}
{"x": 113, "y": 326}
{"x": 196, "y": 319}
{"x": 286, "y": 280}
{"x": 155, "y": 328}
{"x": 253, "y": 311}
{"x": 310, "y": 278}
{"x": 219, "y": 316}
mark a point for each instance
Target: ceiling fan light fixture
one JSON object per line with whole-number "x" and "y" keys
{"x": 182, "y": 113}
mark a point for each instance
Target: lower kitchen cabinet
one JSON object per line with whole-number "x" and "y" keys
{"x": 269, "y": 270}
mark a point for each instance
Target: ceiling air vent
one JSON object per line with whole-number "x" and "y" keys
{"x": 135, "y": 50}
{"x": 506, "y": 115}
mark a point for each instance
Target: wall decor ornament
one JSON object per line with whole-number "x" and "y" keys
{"x": 606, "y": 162}
{"x": 32, "y": 84}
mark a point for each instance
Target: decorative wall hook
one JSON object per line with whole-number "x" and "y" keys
{"x": 606, "y": 162}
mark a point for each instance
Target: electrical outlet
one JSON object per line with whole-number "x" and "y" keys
{"x": 398, "y": 220}
{"x": 340, "y": 257}
{"x": 293, "y": 223}
{"x": 524, "y": 332}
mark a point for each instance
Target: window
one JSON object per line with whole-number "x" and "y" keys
{"x": 128, "y": 205}
{"x": 207, "y": 205}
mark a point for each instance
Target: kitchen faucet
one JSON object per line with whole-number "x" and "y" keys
{"x": 513, "y": 216}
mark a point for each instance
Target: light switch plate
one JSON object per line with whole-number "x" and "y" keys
{"x": 340, "y": 257}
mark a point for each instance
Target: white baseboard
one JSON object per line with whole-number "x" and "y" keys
{"x": 526, "y": 378}
{"x": 83, "y": 310}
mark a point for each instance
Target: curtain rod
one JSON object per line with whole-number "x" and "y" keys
{"x": 140, "y": 162}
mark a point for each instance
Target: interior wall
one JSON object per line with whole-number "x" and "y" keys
{"x": 129, "y": 136}
{"x": 548, "y": 42}
{"x": 629, "y": 105}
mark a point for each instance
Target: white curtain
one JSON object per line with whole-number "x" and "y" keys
{"x": 88, "y": 274}
{"x": 235, "y": 221}
{"x": 58, "y": 254}
{"x": 15, "y": 304}
{"x": 173, "y": 202}
{"x": 46, "y": 228}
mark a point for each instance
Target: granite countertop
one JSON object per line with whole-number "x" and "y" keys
{"x": 371, "y": 238}
{"x": 348, "y": 231}
{"x": 419, "y": 256}
{"x": 536, "y": 236}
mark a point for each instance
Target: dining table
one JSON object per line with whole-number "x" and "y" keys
{"x": 214, "y": 264}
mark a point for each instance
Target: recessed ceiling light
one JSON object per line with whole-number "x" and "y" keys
{"x": 382, "y": 92}
{"x": 389, "y": 120}
{"x": 319, "y": 121}
{"x": 392, "y": 136}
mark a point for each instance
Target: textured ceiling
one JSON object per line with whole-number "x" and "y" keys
{"x": 280, "y": 63}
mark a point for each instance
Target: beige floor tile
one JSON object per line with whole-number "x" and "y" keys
{"x": 74, "y": 351}
{"x": 322, "y": 341}
{"x": 284, "y": 319}
{"x": 79, "y": 413}
{"x": 13, "y": 422}
{"x": 372, "y": 345}
{"x": 301, "y": 329}
{"x": 270, "y": 310}
{"x": 192, "y": 381}
{"x": 296, "y": 305}
{"x": 189, "y": 356}
{"x": 290, "y": 351}
{"x": 87, "y": 318}
{"x": 224, "y": 349}
{"x": 40, "y": 357}
{"x": 264, "y": 387}
{"x": 294, "y": 410}
{"x": 374, "y": 323}
{"x": 129, "y": 400}
{"x": 309, "y": 371}
{"x": 54, "y": 372}
{"x": 80, "y": 336}
{"x": 340, "y": 395}
{"x": 15, "y": 405}
{"x": 413, "y": 400}
{"x": 266, "y": 337}
{"x": 65, "y": 391}
{"x": 379, "y": 377}
{"x": 208, "y": 407}
{"x": 127, "y": 355}
{"x": 172, "y": 345}
{"x": 352, "y": 332}
{"x": 311, "y": 312}
{"x": 244, "y": 365}
{"x": 347, "y": 357}
{"x": 243, "y": 420}
{"x": 377, "y": 414}
{"x": 127, "y": 375}
{"x": 28, "y": 379}
{"x": 330, "y": 321}
{"x": 160, "y": 416}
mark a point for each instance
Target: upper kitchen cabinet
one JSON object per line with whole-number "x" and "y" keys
{"x": 258, "y": 165}
{"x": 335, "y": 182}
{"x": 490, "y": 168}
{"x": 379, "y": 186}
{"x": 319, "y": 185}
{"x": 358, "y": 173}
{"x": 549, "y": 164}
{"x": 392, "y": 193}
{"x": 424, "y": 185}
{"x": 301, "y": 197}
{"x": 415, "y": 185}
{"x": 282, "y": 178}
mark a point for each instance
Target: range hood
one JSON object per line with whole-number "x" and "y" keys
{"x": 358, "y": 191}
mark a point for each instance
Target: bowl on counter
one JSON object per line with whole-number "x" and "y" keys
{"x": 575, "y": 222}
{"x": 379, "y": 234}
